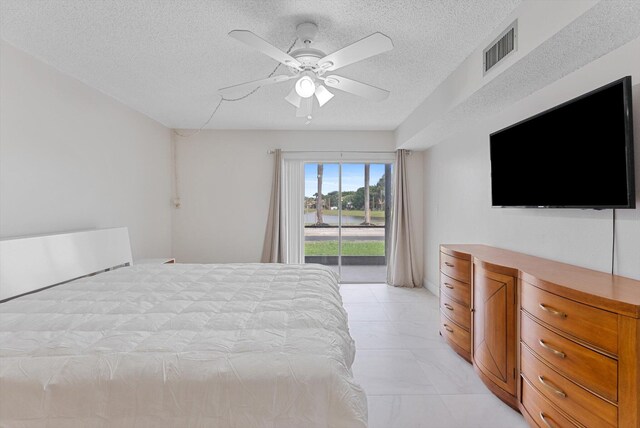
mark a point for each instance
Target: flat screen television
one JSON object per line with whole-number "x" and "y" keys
{"x": 576, "y": 155}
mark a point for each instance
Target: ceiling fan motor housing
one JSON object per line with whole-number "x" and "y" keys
{"x": 308, "y": 57}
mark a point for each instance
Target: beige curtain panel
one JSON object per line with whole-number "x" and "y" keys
{"x": 272, "y": 249}
{"x": 402, "y": 267}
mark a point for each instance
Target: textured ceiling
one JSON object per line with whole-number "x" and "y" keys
{"x": 166, "y": 59}
{"x": 600, "y": 30}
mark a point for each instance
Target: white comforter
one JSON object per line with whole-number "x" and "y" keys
{"x": 234, "y": 345}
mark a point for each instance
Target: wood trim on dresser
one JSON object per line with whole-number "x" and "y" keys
{"x": 448, "y": 249}
{"x": 629, "y": 374}
{"x": 588, "y": 318}
{"x": 494, "y": 330}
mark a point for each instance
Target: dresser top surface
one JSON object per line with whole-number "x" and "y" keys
{"x": 611, "y": 292}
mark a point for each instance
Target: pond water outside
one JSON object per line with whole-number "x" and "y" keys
{"x": 333, "y": 219}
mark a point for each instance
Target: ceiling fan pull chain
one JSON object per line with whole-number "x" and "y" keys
{"x": 215, "y": 110}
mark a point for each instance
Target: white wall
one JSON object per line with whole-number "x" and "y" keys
{"x": 457, "y": 188}
{"x": 74, "y": 158}
{"x": 225, "y": 184}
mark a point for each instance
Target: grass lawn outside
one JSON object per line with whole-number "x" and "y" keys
{"x": 349, "y": 248}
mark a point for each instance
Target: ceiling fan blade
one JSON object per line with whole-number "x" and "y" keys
{"x": 250, "y": 39}
{"x": 357, "y": 88}
{"x": 372, "y": 45}
{"x": 293, "y": 98}
{"x": 255, "y": 84}
{"x": 306, "y": 107}
{"x": 323, "y": 95}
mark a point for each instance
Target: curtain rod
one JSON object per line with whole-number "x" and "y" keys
{"x": 335, "y": 151}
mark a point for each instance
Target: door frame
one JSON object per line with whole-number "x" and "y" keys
{"x": 341, "y": 158}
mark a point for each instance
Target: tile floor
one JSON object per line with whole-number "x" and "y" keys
{"x": 412, "y": 378}
{"x": 362, "y": 273}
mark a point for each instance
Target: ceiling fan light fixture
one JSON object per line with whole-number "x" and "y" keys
{"x": 323, "y": 95}
{"x": 305, "y": 87}
{"x": 308, "y": 65}
{"x": 293, "y": 98}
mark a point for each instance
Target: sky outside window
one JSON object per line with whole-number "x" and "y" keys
{"x": 352, "y": 177}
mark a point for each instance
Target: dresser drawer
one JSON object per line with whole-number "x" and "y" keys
{"x": 580, "y": 364}
{"x": 455, "y": 289}
{"x": 455, "y": 311}
{"x": 455, "y": 334}
{"x": 543, "y": 413}
{"x": 455, "y": 268}
{"x": 577, "y": 402}
{"x": 581, "y": 321}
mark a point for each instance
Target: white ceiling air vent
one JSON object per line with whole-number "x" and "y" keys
{"x": 505, "y": 44}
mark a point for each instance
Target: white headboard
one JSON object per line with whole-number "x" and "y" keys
{"x": 34, "y": 262}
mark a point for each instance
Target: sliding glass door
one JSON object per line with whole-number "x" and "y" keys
{"x": 346, "y": 207}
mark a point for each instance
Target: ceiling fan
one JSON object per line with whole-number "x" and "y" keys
{"x": 311, "y": 68}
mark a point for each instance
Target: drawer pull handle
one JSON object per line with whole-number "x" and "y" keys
{"x": 449, "y": 329}
{"x": 555, "y": 351}
{"x": 552, "y": 387}
{"x": 449, "y": 264}
{"x": 448, "y": 306}
{"x": 552, "y": 311}
{"x": 544, "y": 419}
{"x": 446, "y": 284}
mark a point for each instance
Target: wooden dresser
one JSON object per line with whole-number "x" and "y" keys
{"x": 559, "y": 342}
{"x": 455, "y": 301}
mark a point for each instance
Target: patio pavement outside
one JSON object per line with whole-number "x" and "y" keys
{"x": 352, "y": 273}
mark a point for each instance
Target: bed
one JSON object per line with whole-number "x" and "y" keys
{"x": 184, "y": 345}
